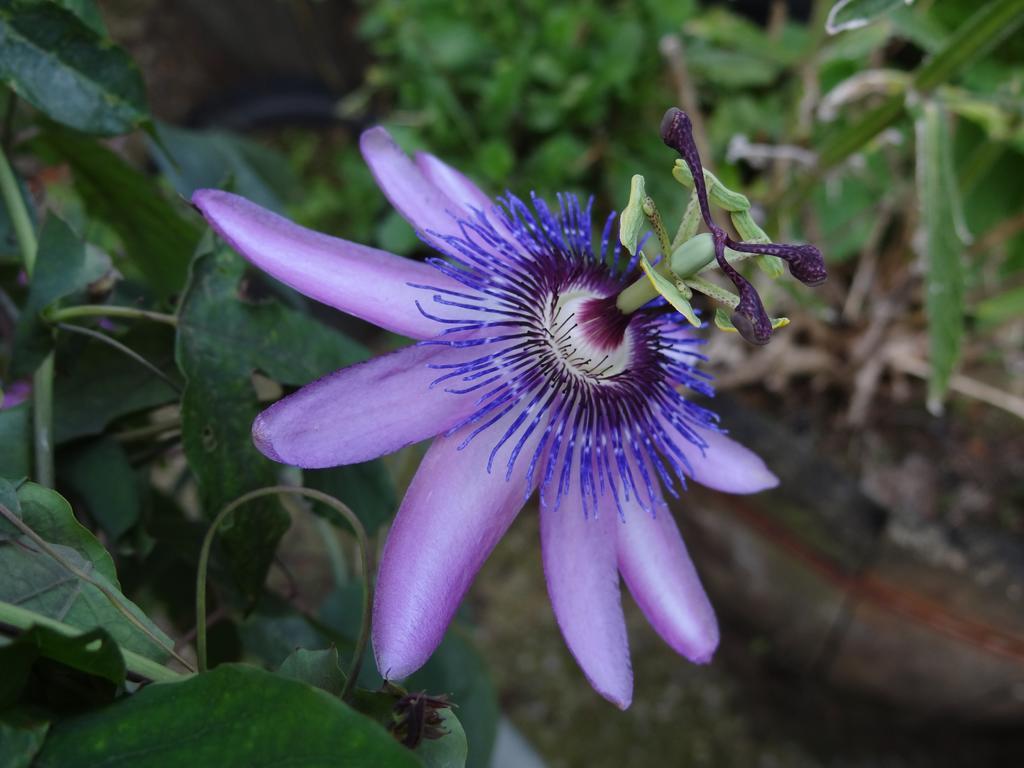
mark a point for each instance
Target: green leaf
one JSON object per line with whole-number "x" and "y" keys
{"x": 56, "y": 62}
{"x": 15, "y": 439}
{"x": 94, "y": 653}
{"x": 22, "y": 737}
{"x": 317, "y": 668}
{"x": 731, "y": 69}
{"x": 97, "y": 384}
{"x": 193, "y": 160}
{"x": 87, "y": 11}
{"x": 222, "y": 339}
{"x": 1001, "y": 307}
{"x": 158, "y": 242}
{"x": 233, "y": 715}
{"x": 100, "y": 474}
{"x": 854, "y": 14}
{"x": 63, "y": 266}
{"x": 48, "y": 513}
{"x": 217, "y": 410}
{"x": 941, "y": 248}
{"x": 33, "y": 580}
{"x": 451, "y": 750}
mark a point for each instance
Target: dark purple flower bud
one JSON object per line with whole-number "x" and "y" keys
{"x": 805, "y": 261}
{"x": 416, "y": 717}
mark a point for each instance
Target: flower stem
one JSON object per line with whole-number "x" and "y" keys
{"x": 42, "y": 422}
{"x": 364, "y": 552}
{"x": 107, "y": 310}
{"x": 42, "y": 379}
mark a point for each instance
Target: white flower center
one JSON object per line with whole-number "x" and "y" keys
{"x": 576, "y": 349}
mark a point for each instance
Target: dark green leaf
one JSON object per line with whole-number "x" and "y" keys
{"x": 9, "y": 498}
{"x": 48, "y": 513}
{"x": 55, "y": 61}
{"x": 101, "y": 476}
{"x": 317, "y": 668}
{"x": 217, "y": 410}
{"x": 32, "y": 579}
{"x": 942, "y": 247}
{"x": 366, "y": 488}
{"x": 233, "y": 715}
{"x": 222, "y": 339}
{"x": 15, "y": 439}
{"x": 451, "y": 750}
{"x": 97, "y": 384}
{"x": 94, "y": 653}
{"x": 87, "y": 11}
{"x": 271, "y": 635}
{"x": 193, "y": 160}
{"x": 63, "y": 266}
{"x": 158, "y": 242}
{"x": 22, "y": 737}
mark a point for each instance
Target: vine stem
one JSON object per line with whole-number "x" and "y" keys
{"x": 106, "y": 310}
{"x": 364, "y": 553}
{"x": 42, "y": 379}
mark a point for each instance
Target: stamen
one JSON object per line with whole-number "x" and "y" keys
{"x": 805, "y": 261}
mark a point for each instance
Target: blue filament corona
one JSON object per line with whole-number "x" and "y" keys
{"x": 610, "y": 433}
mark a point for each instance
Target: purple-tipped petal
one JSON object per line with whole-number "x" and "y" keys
{"x": 364, "y": 411}
{"x": 660, "y": 575}
{"x": 453, "y": 514}
{"x": 362, "y": 281}
{"x": 583, "y": 583}
{"x": 725, "y": 465}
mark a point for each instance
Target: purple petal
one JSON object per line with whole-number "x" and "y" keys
{"x": 362, "y": 281}
{"x": 364, "y": 411}
{"x": 725, "y": 465}
{"x": 583, "y": 583}
{"x": 453, "y": 514}
{"x": 419, "y": 201}
{"x": 661, "y": 577}
{"x": 453, "y": 184}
